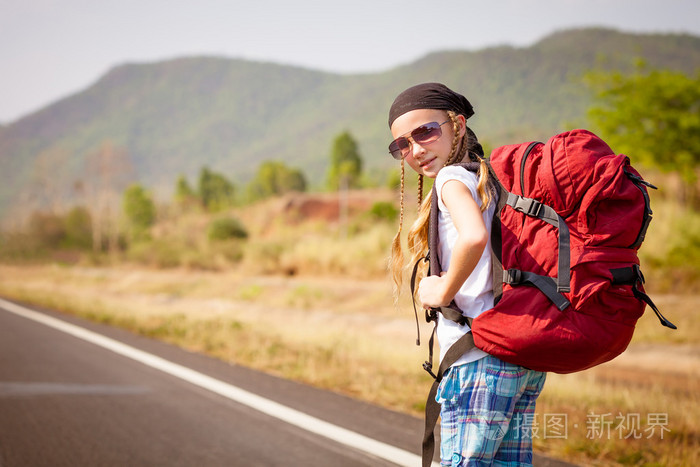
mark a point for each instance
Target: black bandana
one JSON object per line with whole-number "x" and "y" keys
{"x": 429, "y": 96}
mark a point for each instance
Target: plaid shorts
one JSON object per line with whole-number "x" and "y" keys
{"x": 487, "y": 411}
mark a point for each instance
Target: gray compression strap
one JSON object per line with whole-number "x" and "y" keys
{"x": 545, "y": 284}
{"x": 533, "y": 208}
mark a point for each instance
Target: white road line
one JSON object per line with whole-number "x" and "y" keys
{"x": 266, "y": 406}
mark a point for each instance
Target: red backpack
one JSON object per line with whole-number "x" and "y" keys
{"x": 568, "y": 289}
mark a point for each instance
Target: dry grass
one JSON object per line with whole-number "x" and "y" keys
{"x": 344, "y": 335}
{"x": 312, "y": 302}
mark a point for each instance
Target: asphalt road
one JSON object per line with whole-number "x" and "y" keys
{"x": 68, "y": 401}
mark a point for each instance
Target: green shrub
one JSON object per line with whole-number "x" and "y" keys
{"x": 77, "y": 224}
{"x": 384, "y": 210}
{"x": 226, "y": 228}
{"x": 46, "y": 229}
{"x": 140, "y": 210}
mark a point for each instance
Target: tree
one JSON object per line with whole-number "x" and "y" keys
{"x": 275, "y": 178}
{"x": 108, "y": 171}
{"x": 346, "y": 163}
{"x": 652, "y": 116}
{"x": 139, "y": 209}
{"x": 184, "y": 194}
{"x": 215, "y": 191}
{"x": 77, "y": 224}
{"x": 46, "y": 229}
{"x": 226, "y": 228}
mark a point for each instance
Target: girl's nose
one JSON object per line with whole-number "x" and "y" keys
{"x": 416, "y": 149}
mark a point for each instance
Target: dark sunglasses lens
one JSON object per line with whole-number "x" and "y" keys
{"x": 423, "y": 134}
{"x": 426, "y": 133}
{"x": 397, "y": 147}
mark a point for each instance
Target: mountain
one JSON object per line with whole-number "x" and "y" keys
{"x": 175, "y": 116}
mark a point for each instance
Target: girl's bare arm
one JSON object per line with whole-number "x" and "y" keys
{"x": 435, "y": 291}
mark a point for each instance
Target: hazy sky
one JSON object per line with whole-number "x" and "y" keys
{"x": 53, "y": 48}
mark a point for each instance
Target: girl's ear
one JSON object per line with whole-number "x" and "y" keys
{"x": 462, "y": 122}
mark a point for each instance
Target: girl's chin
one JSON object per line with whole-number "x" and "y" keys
{"x": 430, "y": 169}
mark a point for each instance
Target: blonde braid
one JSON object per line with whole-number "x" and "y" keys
{"x": 420, "y": 190}
{"x": 482, "y": 183}
{"x": 396, "y": 260}
{"x": 456, "y": 156}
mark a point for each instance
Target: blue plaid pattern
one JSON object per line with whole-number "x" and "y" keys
{"x": 487, "y": 411}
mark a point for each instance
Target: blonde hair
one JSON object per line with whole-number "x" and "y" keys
{"x": 418, "y": 233}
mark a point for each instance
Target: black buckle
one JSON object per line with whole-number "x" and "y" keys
{"x": 534, "y": 208}
{"x": 431, "y": 314}
{"x": 427, "y": 366}
{"x": 528, "y": 206}
{"x": 638, "y": 180}
{"x": 512, "y": 276}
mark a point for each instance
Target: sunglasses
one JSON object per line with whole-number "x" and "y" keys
{"x": 424, "y": 134}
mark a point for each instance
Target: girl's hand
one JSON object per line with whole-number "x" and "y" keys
{"x": 432, "y": 292}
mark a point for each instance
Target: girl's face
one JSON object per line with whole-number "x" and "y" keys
{"x": 428, "y": 158}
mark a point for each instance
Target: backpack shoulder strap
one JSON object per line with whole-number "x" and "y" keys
{"x": 432, "y": 408}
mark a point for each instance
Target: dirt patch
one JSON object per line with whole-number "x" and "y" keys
{"x": 676, "y": 368}
{"x": 324, "y": 207}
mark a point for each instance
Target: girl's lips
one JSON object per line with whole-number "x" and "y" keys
{"x": 427, "y": 163}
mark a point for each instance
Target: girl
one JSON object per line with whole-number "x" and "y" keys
{"x": 487, "y": 405}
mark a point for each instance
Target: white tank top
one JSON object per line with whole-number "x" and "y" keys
{"x": 476, "y": 294}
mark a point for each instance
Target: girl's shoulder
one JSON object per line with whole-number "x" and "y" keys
{"x": 455, "y": 172}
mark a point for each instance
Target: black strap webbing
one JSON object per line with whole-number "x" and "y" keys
{"x": 638, "y": 182}
{"x": 435, "y": 267}
{"x": 496, "y": 237}
{"x": 432, "y": 408}
{"x": 523, "y": 162}
{"x": 633, "y": 276}
{"x": 624, "y": 276}
{"x": 646, "y": 299}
